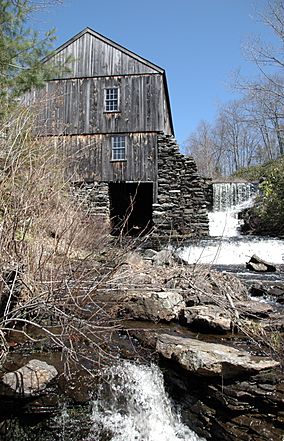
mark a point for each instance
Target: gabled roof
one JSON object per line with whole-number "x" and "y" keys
{"x": 111, "y": 43}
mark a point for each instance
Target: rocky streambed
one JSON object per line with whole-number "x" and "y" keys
{"x": 219, "y": 348}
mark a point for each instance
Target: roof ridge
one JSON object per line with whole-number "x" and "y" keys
{"x": 107, "y": 41}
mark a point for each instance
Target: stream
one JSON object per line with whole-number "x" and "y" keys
{"x": 130, "y": 402}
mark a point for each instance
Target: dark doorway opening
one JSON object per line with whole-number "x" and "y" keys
{"x": 131, "y": 208}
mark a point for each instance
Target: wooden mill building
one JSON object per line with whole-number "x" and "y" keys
{"x": 109, "y": 109}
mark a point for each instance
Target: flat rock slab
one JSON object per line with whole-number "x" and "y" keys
{"x": 208, "y": 318}
{"x": 254, "y": 309}
{"x": 31, "y": 378}
{"x": 211, "y": 359}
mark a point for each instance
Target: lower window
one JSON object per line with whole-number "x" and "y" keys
{"x": 118, "y": 147}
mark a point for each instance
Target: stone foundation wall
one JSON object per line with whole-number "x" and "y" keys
{"x": 208, "y": 192}
{"x": 180, "y": 209}
{"x": 93, "y": 197}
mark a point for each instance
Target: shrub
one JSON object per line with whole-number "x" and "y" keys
{"x": 49, "y": 248}
{"x": 267, "y": 216}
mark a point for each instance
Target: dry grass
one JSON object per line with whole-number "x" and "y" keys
{"x": 52, "y": 254}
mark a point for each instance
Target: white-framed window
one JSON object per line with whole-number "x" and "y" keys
{"x": 112, "y": 99}
{"x": 118, "y": 148}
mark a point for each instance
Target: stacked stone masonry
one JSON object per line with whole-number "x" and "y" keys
{"x": 93, "y": 197}
{"x": 181, "y": 207}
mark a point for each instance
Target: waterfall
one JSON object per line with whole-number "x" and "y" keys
{"x": 227, "y": 195}
{"x": 132, "y": 405}
{"x": 229, "y": 198}
{"x": 226, "y": 246}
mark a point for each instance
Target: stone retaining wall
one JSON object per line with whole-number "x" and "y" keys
{"x": 180, "y": 209}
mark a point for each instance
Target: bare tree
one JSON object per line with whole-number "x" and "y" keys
{"x": 265, "y": 112}
{"x": 266, "y": 94}
{"x": 239, "y": 141}
{"x": 201, "y": 145}
{"x": 250, "y": 130}
{"x": 232, "y": 143}
{"x": 268, "y": 55}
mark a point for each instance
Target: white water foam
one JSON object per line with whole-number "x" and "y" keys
{"x": 225, "y": 223}
{"x": 135, "y": 406}
{"x": 236, "y": 251}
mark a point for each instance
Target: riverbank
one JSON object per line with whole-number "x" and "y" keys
{"x": 179, "y": 317}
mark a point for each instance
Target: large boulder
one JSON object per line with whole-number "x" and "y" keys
{"x": 30, "y": 379}
{"x": 208, "y": 318}
{"x": 211, "y": 359}
{"x": 257, "y": 264}
{"x": 154, "y": 306}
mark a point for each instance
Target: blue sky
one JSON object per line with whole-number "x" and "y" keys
{"x": 198, "y": 42}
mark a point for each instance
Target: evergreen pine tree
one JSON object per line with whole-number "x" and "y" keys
{"x": 21, "y": 52}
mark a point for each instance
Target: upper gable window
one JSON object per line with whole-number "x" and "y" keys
{"x": 112, "y": 99}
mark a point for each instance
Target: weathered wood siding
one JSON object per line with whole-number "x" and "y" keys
{"x": 90, "y": 55}
{"x": 89, "y": 158}
{"x": 71, "y": 110}
{"x": 76, "y": 106}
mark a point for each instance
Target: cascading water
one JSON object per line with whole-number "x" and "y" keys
{"x": 228, "y": 195}
{"x": 229, "y": 198}
{"x": 132, "y": 405}
{"x": 227, "y": 246}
